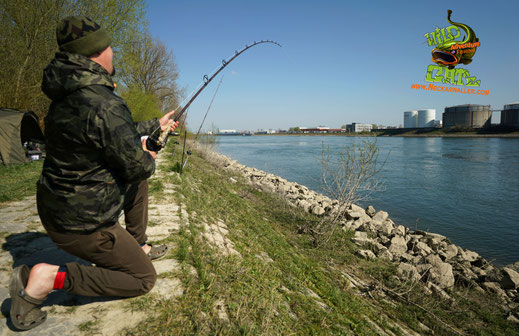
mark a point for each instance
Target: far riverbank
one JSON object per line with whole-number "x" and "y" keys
{"x": 409, "y": 134}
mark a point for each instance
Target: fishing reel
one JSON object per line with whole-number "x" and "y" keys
{"x": 154, "y": 144}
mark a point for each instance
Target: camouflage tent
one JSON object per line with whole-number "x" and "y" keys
{"x": 16, "y": 128}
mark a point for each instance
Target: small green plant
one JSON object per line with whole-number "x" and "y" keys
{"x": 89, "y": 326}
{"x": 155, "y": 186}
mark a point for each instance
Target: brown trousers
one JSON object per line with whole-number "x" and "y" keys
{"x": 122, "y": 268}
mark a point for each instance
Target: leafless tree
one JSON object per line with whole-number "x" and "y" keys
{"x": 150, "y": 68}
{"x": 349, "y": 176}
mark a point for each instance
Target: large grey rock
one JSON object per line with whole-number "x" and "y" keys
{"x": 321, "y": 198}
{"x": 384, "y": 240}
{"x": 380, "y": 216}
{"x": 399, "y": 230}
{"x": 358, "y": 223}
{"x": 514, "y": 266}
{"x": 449, "y": 252}
{"x": 510, "y": 279}
{"x": 493, "y": 275}
{"x": 304, "y": 204}
{"x": 467, "y": 255}
{"x": 283, "y": 188}
{"x": 408, "y": 271}
{"x": 436, "y": 289}
{"x": 493, "y": 287}
{"x": 317, "y": 210}
{"x": 361, "y": 238}
{"x": 422, "y": 249}
{"x": 370, "y": 211}
{"x": 411, "y": 259}
{"x": 327, "y": 206}
{"x": 430, "y": 235}
{"x": 435, "y": 241}
{"x": 464, "y": 274}
{"x": 356, "y": 208}
{"x": 512, "y": 318}
{"x": 398, "y": 245}
{"x": 383, "y": 253}
{"x": 440, "y": 273}
{"x": 355, "y": 212}
{"x": 385, "y": 228}
{"x": 366, "y": 254}
{"x": 348, "y": 225}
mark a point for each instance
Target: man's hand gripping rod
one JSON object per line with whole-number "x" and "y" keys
{"x": 155, "y": 144}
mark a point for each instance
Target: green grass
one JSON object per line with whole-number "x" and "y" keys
{"x": 272, "y": 297}
{"x": 259, "y": 297}
{"x": 19, "y": 181}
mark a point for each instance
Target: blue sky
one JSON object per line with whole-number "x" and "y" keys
{"x": 341, "y": 61}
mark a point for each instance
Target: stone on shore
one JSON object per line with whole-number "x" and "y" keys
{"x": 440, "y": 273}
{"x": 380, "y": 216}
{"x": 384, "y": 254}
{"x": 366, "y": 254}
{"x": 398, "y": 245}
{"x": 317, "y": 210}
{"x": 370, "y": 211}
{"x": 408, "y": 271}
{"x": 449, "y": 252}
{"x": 361, "y": 238}
{"x": 510, "y": 279}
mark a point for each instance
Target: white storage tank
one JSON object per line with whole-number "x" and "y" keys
{"x": 411, "y": 119}
{"x": 426, "y": 118}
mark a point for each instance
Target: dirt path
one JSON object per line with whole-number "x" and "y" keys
{"x": 24, "y": 241}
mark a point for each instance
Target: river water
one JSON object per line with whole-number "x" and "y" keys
{"x": 464, "y": 188}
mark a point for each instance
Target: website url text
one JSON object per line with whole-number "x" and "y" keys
{"x": 432, "y": 87}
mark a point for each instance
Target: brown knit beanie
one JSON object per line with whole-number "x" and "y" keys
{"x": 80, "y": 35}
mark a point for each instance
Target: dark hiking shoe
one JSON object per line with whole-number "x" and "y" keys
{"x": 157, "y": 252}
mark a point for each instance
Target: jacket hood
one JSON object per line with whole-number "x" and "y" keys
{"x": 68, "y": 72}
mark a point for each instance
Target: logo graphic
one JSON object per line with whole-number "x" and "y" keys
{"x": 451, "y": 50}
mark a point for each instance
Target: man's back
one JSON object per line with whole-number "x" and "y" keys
{"x": 93, "y": 148}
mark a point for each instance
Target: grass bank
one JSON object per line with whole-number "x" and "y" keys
{"x": 277, "y": 282}
{"x": 280, "y": 284}
{"x": 19, "y": 181}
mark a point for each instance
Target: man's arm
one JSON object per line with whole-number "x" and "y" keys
{"x": 147, "y": 127}
{"x": 156, "y": 125}
{"x": 122, "y": 147}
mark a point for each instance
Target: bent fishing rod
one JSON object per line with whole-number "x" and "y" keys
{"x": 156, "y": 143}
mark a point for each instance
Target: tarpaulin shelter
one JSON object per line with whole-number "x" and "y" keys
{"x": 16, "y": 128}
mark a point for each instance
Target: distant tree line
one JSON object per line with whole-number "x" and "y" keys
{"x": 294, "y": 130}
{"x": 146, "y": 72}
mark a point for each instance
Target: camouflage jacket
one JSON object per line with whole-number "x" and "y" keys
{"x": 93, "y": 147}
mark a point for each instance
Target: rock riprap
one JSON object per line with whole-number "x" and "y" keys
{"x": 421, "y": 256}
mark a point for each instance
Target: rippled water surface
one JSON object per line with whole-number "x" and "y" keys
{"x": 464, "y": 188}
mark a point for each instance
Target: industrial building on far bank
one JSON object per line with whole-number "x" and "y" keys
{"x": 510, "y": 115}
{"x": 467, "y": 115}
{"x": 464, "y": 116}
{"x": 420, "y": 118}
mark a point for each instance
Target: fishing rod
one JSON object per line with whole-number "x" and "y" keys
{"x": 199, "y": 128}
{"x": 156, "y": 143}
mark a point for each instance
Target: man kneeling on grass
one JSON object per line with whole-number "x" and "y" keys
{"x": 96, "y": 166}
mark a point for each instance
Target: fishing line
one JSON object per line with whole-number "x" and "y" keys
{"x": 209, "y": 107}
